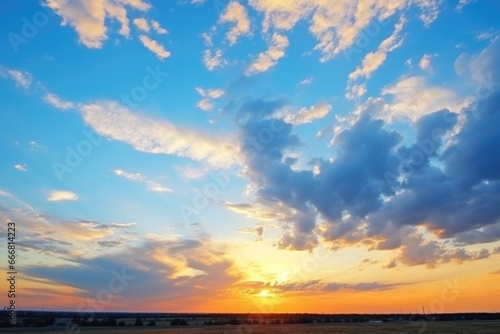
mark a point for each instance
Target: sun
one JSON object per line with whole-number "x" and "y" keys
{"x": 264, "y": 294}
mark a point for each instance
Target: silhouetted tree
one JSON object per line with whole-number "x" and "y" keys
{"x": 178, "y": 322}
{"x": 138, "y": 322}
{"x": 111, "y": 321}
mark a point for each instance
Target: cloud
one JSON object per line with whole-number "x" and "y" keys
{"x": 237, "y": 14}
{"x": 488, "y": 34}
{"x": 336, "y": 26}
{"x": 268, "y": 59}
{"x": 190, "y": 172}
{"x": 258, "y": 230}
{"x": 462, "y": 3}
{"x": 430, "y": 10}
{"x": 183, "y": 268}
{"x": 256, "y": 287}
{"x": 57, "y": 238}
{"x": 208, "y": 95}
{"x": 21, "y": 78}
{"x": 141, "y": 24}
{"x": 88, "y": 17}
{"x": 21, "y": 167}
{"x": 306, "y": 81}
{"x": 481, "y": 69}
{"x": 62, "y": 195}
{"x": 109, "y": 243}
{"x": 434, "y": 190}
{"x": 373, "y": 60}
{"x": 158, "y": 28}
{"x": 154, "y": 47}
{"x": 117, "y": 122}
{"x": 305, "y": 116}
{"x": 57, "y": 102}
{"x": 151, "y": 185}
{"x": 412, "y": 98}
{"x": 254, "y": 211}
{"x": 212, "y": 60}
{"x": 416, "y": 250}
{"x": 205, "y": 104}
{"x": 425, "y": 62}
{"x": 355, "y": 91}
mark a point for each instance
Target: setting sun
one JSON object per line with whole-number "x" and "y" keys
{"x": 265, "y": 294}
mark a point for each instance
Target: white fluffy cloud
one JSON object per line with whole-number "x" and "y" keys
{"x": 61, "y": 195}
{"x": 208, "y": 95}
{"x": 212, "y": 60}
{"x": 306, "y": 81}
{"x": 116, "y": 122}
{"x": 237, "y": 14}
{"x": 157, "y": 27}
{"x": 205, "y": 104}
{"x": 425, "y": 62}
{"x": 355, "y": 91}
{"x": 337, "y": 25}
{"x": 141, "y": 24}
{"x": 268, "y": 59}
{"x": 21, "y": 167}
{"x": 154, "y": 47}
{"x": 373, "y": 60}
{"x": 88, "y": 17}
{"x": 412, "y": 98}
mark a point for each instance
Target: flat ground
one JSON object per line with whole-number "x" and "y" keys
{"x": 459, "y": 327}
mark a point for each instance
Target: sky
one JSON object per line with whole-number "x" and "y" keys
{"x": 251, "y": 156}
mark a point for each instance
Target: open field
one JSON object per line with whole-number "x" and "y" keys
{"x": 458, "y": 327}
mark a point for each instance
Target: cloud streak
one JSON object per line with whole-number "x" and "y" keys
{"x": 117, "y": 122}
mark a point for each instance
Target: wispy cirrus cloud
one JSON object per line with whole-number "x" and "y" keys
{"x": 373, "y": 60}
{"x": 151, "y": 185}
{"x": 57, "y": 102}
{"x": 21, "y": 78}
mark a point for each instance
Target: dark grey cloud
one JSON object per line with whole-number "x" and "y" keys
{"x": 376, "y": 188}
{"x": 109, "y": 243}
{"x": 151, "y": 273}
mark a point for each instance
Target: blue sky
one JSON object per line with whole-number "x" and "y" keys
{"x": 142, "y": 134}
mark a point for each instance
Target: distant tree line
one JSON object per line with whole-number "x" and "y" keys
{"x": 43, "y": 319}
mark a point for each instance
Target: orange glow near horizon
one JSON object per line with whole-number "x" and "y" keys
{"x": 462, "y": 294}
